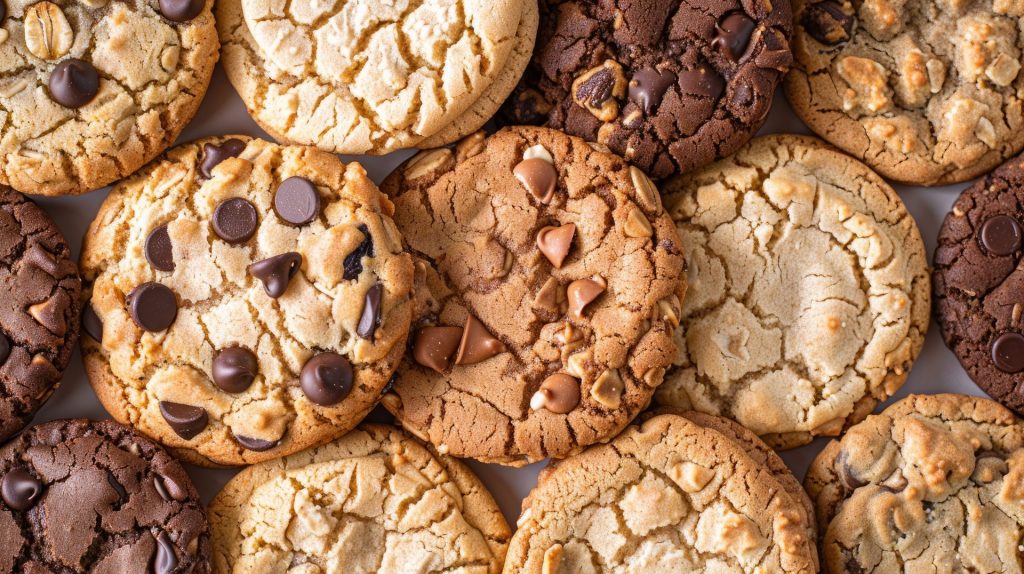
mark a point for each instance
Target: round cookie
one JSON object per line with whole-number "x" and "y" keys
{"x": 552, "y": 289}
{"x": 366, "y": 76}
{"x": 924, "y": 91}
{"x": 80, "y": 496}
{"x": 669, "y": 85}
{"x": 668, "y": 495}
{"x": 372, "y": 501}
{"x": 809, "y": 293}
{"x": 932, "y": 484}
{"x": 39, "y": 316}
{"x": 92, "y": 90}
{"x": 248, "y": 300}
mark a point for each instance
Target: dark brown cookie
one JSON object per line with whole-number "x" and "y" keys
{"x": 670, "y": 85}
{"x": 39, "y": 309}
{"x": 979, "y": 285}
{"x": 82, "y": 496}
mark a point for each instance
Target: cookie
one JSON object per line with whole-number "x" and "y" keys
{"x": 932, "y": 484}
{"x": 364, "y": 77}
{"x": 39, "y": 316}
{"x": 80, "y": 496}
{"x": 809, "y": 293}
{"x": 551, "y": 276}
{"x": 669, "y": 85}
{"x": 372, "y": 501}
{"x": 668, "y": 495}
{"x": 249, "y": 299}
{"x": 926, "y": 92}
{"x": 90, "y": 91}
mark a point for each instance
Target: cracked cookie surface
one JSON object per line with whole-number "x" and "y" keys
{"x": 252, "y": 299}
{"x": 39, "y": 315}
{"x": 364, "y": 76}
{"x": 665, "y": 495}
{"x": 809, "y": 293}
{"x": 540, "y": 350}
{"x": 373, "y": 501}
{"x": 82, "y": 496}
{"x": 924, "y": 91}
{"x": 136, "y": 78}
{"x": 669, "y": 85}
{"x": 932, "y": 484}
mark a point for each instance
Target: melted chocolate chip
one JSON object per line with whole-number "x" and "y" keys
{"x": 326, "y": 379}
{"x": 5, "y": 348}
{"x": 702, "y": 81}
{"x": 256, "y": 444}
{"x": 297, "y": 201}
{"x": 91, "y": 323}
{"x": 165, "y": 559}
{"x": 181, "y": 10}
{"x": 597, "y": 89}
{"x": 1000, "y": 235}
{"x": 185, "y": 420}
{"x": 213, "y": 154}
{"x": 122, "y": 494}
{"x": 733, "y": 34}
{"x": 828, "y": 23}
{"x": 153, "y": 307}
{"x": 234, "y": 369}
{"x": 74, "y": 83}
{"x": 1008, "y": 352}
{"x": 3, "y": 11}
{"x": 370, "y": 318}
{"x": 20, "y": 490}
{"x": 648, "y": 87}
{"x": 390, "y": 384}
{"x": 354, "y": 260}
{"x": 235, "y": 220}
{"x": 158, "y": 249}
{"x": 276, "y": 272}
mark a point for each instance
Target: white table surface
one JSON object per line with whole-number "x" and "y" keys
{"x": 222, "y": 112}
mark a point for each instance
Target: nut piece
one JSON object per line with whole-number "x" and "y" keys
{"x": 637, "y": 224}
{"x": 646, "y": 193}
{"x": 552, "y": 560}
{"x": 868, "y": 89}
{"x": 607, "y": 389}
{"x": 427, "y": 162}
{"x": 599, "y": 89}
{"x": 48, "y": 34}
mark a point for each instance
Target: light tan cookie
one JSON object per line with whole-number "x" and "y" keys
{"x": 552, "y": 289}
{"x": 366, "y": 76}
{"x": 668, "y": 495}
{"x": 92, "y": 90}
{"x": 932, "y": 484}
{"x": 809, "y": 293}
{"x": 924, "y": 91}
{"x": 372, "y": 501}
{"x": 252, "y": 299}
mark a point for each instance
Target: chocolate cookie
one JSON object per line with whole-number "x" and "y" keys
{"x": 40, "y": 309}
{"x": 670, "y": 85}
{"x": 82, "y": 496}
{"x": 551, "y": 290}
{"x": 978, "y": 283}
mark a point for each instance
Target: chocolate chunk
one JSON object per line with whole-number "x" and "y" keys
{"x": 169, "y": 489}
{"x": 477, "y": 343}
{"x": 234, "y": 369}
{"x": 648, "y": 87}
{"x": 732, "y": 36}
{"x": 235, "y": 220}
{"x": 582, "y": 292}
{"x": 434, "y": 346}
{"x": 370, "y": 317}
{"x": 845, "y": 473}
{"x": 181, "y": 10}
{"x": 555, "y": 242}
{"x": 20, "y": 490}
{"x": 297, "y": 201}
{"x": 828, "y": 23}
{"x": 158, "y": 249}
{"x": 122, "y": 494}
{"x": 354, "y": 260}
{"x": 702, "y": 81}
{"x": 326, "y": 379}
{"x": 538, "y": 177}
{"x": 153, "y": 307}
{"x": 1008, "y": 352}
{"x": 256, "y": 444}
{"x": 91, "y": 323}
{"x": 559, "y": 393}
{"x": 276, "y": 272}
{"x": 214, "y": 154}
{"x": 165, "y": 560}
{"x": 74, "y": 83}
{"x": 5, "y": 348}
{"x": 1000, "y": 235}
{"x": 185, "y": 420}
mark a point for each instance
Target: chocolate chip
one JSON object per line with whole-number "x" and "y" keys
{"x": 390, "y": 384}
{"x": 1008, "y": 352}
{"x": 828, "y": 23}
{"x": 702, "y": 81}
{"x": 370, "y": 318}
{"x": 168, "y": 488}
{"x": 582, "y": 292}
{"x": 477, "y": 344}
{"x": 5, "y": 348}
{"x": 256, "y": 444}
{"x": 845, "y": 473}
{"x": 555, "y": 242}
{"x": 20, "y": 490}
{"x": 213, "y": 154}
{"x": 648, "y": 87}
{"x": 122, "y": 494}
{"x": 559, "y": 393}
{"x": 153, "y": 306}
{"x": 74, "y": 83}
{"x": 181, "y": 10}
{"x": 165, "y": 560}
{"x": 276, "y": 272}
{"x": 234, "y": 369}
{"x": 235, "y": 220}
{"x": 538, "y": 177}
{"x": 1000, "y": 235}
{"x": 354, "y": 260}
{"x": 297, "y": 201}
{"x": 185, "y": 420}
{"x": 434, "y": 347}
{"x": 733, "y": 34}
{"x": 158, "y": 249}
{"x": 326, "y": 379}
{"x": 91, "y": 323}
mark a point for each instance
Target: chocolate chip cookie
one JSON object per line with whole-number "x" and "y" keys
{"x": 247, "y": 300}
{"x": 91, "y": 90}
{"x": 81, "y": 496}
{"x": 670, "y": 85}
{"x": 40, "y": 309}
{"x": 372, "y": 501}
{"x": 809, "y": 292}
{"x": 932, "y": 484}
{"x": 550, "y": 291}
{"x": 926, "y": 92}
{"x": 668, "y": 495}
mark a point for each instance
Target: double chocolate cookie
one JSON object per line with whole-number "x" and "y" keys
{"x": 39, "y": 312}
{"x": 670, "y": 85}
{"x": 79, "y": 496}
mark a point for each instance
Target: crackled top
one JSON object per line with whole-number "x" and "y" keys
{"x": 364, "y": 76}
{"x": 924, "y": 91}
{"x": 275, "y": 342}
{"x": 669, "y": 495}
{"x": 933, "y": 483}
{"x": 809, "y": 293}
{"x": 372, "y": 501}
{"x": 151, "y": 71}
